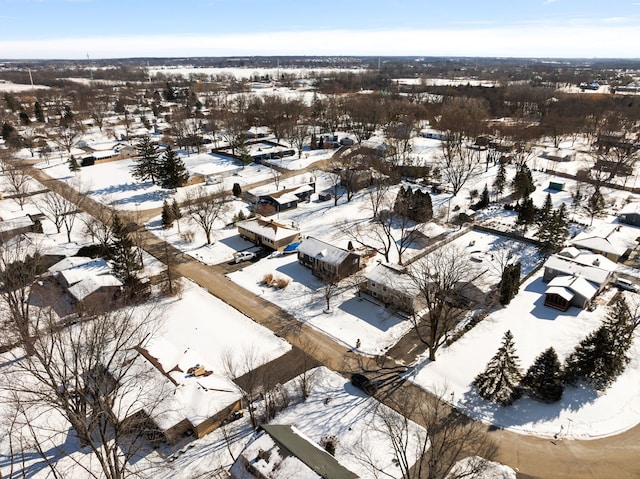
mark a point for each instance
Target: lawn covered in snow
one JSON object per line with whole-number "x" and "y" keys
{"x": 582, "y": 413}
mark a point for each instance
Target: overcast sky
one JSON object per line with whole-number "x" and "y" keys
{"x": 163, "y": 28}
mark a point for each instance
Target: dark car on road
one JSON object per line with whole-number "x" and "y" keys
{"x": 363, "y": 382}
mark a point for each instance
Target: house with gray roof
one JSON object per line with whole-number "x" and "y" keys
{"x": 393, "y": 286}
{"x": 327, "y": 261}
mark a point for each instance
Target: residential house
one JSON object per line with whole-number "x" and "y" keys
{"x": 96, "y": 290}
{"x": 393, "y": 286}
{"x": 572, "y": 261}
{"x": 565, "y": 291}
{"x": 575, "y": 277}
{"x": 326, "y": 260}
{"x": 612, "y": 242}
{"x": 12, "y": 227}
{"x": 630, "y": 214}
{"x": 289, "y": 198}
{"x": 284, "y": 451}
{"x": 195, "y": 400}
{"x": 269, "y": 233}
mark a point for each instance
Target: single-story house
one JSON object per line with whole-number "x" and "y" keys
{"x": 630, "y": 214}
{"x": 565, "y": 291}
{"x": 268, "y": 233}
{"x": 393, "y": 286}
{"x": 289, "y": 198}
{"x": 326, "y": 260}
{"x": 22, "y": 224}
{"x": 74, "y": 269}
{"x": 195, "y": 400}
{"x": 280, "y": 450}
{"x": 612, "y": 242}
{"x": 99, "y": 289}
{"x": 574, "y": 262}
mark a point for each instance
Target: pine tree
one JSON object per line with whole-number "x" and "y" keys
{"x": 523, "y": 183}
{"x": 236, "y": 190}
{"x": 37, "y": 112}
{"x": 500, "y": 381}
{"x": 546, "y": 210}
{"x": 543, "y": 379}
{"x": 595, "y": 204}
{"x": 175, "y": 210}
{"x": 173, "y": 173}
{"x": 73, "y": 164}
{"x": 597, "y": 359}
{"x": 167, "y": 215}
{"x": 484, "y": 199}
{"x": 621, "y": 324}
{"x": 526, "y": 214}
{"x": 501, "y": 179}
{"x": 147, "y": 165}
{"x": 124, "y": 254}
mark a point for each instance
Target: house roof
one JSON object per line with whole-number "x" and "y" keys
{"x": 608, "y": 240}
{"x": 293, "y": 454}
{"x": 91, "y": 284}
{"x": 572, "y": 285}
{"x": 15, "y": 223}
{"x": 393, "y": 277}
{"x": 82, "y": 270}
{"x": 325, "y": 252}
{"x": 630, "y": 208}
{"x": 268, "y": 229}
{"x": 591, "y": 266}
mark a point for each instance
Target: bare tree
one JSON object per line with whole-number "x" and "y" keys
{"x": 298, "y": 135}
{"x": 19, "y": 184}
{"x": 67, "y": 136}
{"x": 91, "y": 376}
{"x": 432, "y": 452}
{"x": 61, "y": 211}
{"x": 458, "y": 163}
{"x": 441, "y": 277}
{"x": 244, "y": 365}
{"x": 205, "y": 208}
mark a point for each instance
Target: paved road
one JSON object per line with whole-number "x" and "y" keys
{"x": 613, "y": 457}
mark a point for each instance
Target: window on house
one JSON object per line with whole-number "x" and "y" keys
{"x": 373, "y": 284}
{"x": 384, "y": 288}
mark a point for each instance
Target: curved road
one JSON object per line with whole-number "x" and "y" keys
{"x": 613, "y": 457}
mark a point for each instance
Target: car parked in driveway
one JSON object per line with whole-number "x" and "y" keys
{"x": 244, "y": 256}
{"x": 625, "y": 284}
{"x": 363, "y": 382}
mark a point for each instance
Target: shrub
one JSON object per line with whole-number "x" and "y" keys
{"x": 281, "y": 283}
{"x": 267, "y": 279}
{"x": 187, "y": 236}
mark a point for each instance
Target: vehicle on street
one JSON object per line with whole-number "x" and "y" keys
{"x": 625, "y": 284}
{"x": 363, "y": 382}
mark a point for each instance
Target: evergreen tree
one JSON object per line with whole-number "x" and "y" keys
{"x": 37, "y": 112}
{"x": 73, "y": 164}
{"x": 167, "y": 215}
{"x": 147, "y": 165}
{"x": 595, "y": 204}
{"x": 523, "y": 183}
{"x": 236, "y": 190}
{"x": 543, "y": 379}
{"x": 603, "y": 355}
{"x": 500, "y": 381}
{"x": 173, "y": 173}
{"x": 546, "y": 210}
{"x": 124, "y": 254}
{"x": 314, "y": 141}
{"x": 526, "y": 214}
{"x": 510, "y": 283}
{"x": 501, "y": 179}
{"x": 175, "y": 210}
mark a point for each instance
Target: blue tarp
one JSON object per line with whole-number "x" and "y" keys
{"x": 291, "y": 248}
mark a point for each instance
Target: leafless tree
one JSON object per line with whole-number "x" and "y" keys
{"x": 96, "y": 225}
{"x": 19, "y": 184}
{"x": 98, "y": 109}
{"x": 399, "y": 136}
{"x": 378, "y": 194}
{"x": 458, "y": 163}
{"x": 91, "y": 376}
{"x": 298, "y": 135}
{"x": 245, "y": 365}
{"x": 447, "y": 438}
{"x": 66, "y": 137}
{"x": 205, "y": 208}
{"x": 330, "y": 287}
{"x": 61, "y": 211}
{"x": 440, "y": 276}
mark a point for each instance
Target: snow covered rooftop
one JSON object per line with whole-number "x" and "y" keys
{"x": 394, "y": 277}
{"x": 591, "y": 266}
{"x": 608, "y": 239}
{"x": 271, "y": 230}
{"x": 91, "y": 284}
{"x": 325, "y": 252}
{"x": 565, "y": 286}
{"x": 82, "y": 270}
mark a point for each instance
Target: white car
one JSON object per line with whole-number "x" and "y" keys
{"x": 244, "y": 256}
